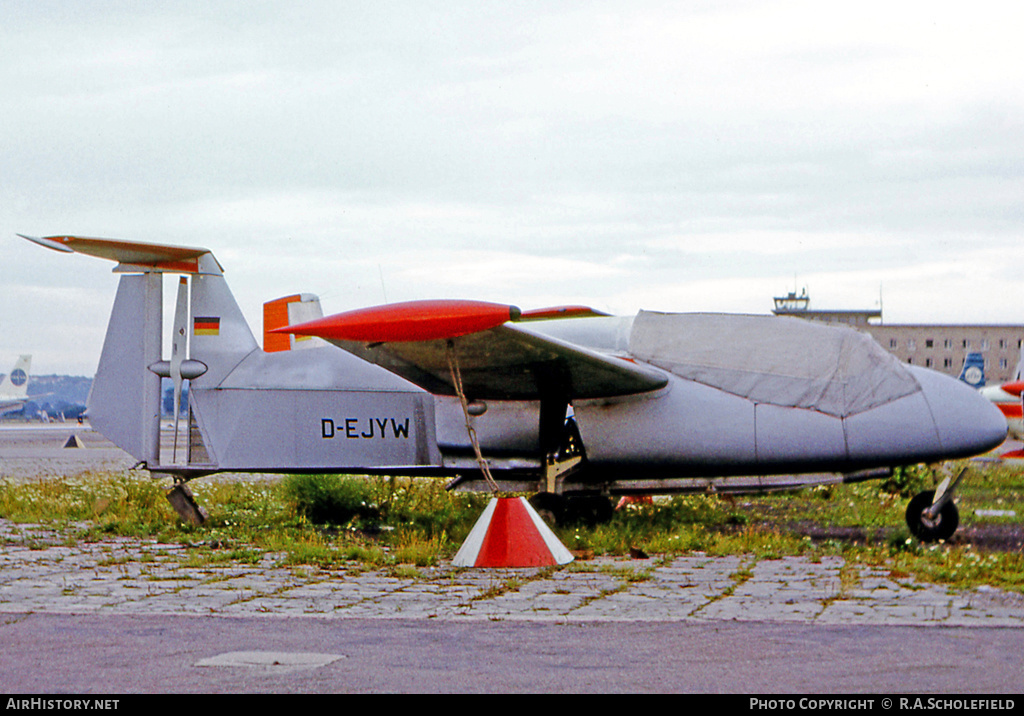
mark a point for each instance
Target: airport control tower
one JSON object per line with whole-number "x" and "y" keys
{"x": 941, "y": 347}
{"x": 799, "y": 306}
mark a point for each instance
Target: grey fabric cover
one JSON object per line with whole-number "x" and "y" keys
{"x": 771, "y": 359}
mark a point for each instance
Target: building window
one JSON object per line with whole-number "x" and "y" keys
{"x": 948, "y": 343}
{"x": 894, "y": 344}
{"x": 947, "y": 362}
{"x": 927, "y": 362}
{"x": 967, "y": 343}
{"x": 929, "y": 343}
{"x": 911, "y": 344}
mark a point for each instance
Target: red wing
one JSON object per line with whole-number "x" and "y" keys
{"x": 497, "y": 360}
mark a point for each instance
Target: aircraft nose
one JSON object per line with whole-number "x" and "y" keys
{"x": 966, "y": 422}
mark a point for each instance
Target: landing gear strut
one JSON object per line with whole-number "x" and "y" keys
{"x": 185, "y": 504}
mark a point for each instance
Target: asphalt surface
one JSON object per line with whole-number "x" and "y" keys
{"x": 137, "y": 616}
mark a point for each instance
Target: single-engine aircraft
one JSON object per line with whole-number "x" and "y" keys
{"x": 571, "y": 404}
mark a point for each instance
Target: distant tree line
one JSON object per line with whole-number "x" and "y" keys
{"x": 63, "y": 396}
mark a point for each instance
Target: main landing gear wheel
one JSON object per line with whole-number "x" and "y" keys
{"x": 550, "y": 507}
{"x": 590, "y": 510}
{"x": 558, "y": 510}
{"x": 927, "y": 529}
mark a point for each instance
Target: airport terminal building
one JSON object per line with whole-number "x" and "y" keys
{"x": 940, "y": 347}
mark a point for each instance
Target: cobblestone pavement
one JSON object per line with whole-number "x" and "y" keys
{"x": 40, "y": 572}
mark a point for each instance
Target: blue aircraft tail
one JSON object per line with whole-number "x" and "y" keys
{"x": 973, "y": 372}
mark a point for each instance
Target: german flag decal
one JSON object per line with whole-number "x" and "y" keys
{"x": 206, "y": 326}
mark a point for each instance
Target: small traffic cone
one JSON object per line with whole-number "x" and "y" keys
{"x": 510, "y": 533}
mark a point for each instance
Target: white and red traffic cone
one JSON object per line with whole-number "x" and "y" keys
{"x": 510, "y": 533}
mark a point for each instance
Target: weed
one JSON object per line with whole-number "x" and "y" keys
{"x": 342, "y": 522}
{"x": 418, "y": 551}
{"x": 497, "y": 589}
{"x": 404, "y": 571}
{"x": 909, "y": 480}
{"x": 333, "y": 500}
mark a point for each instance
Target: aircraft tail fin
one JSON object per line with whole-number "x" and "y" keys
{"x": 211, "y": 336}
{"x": 15, "y": 383}
{"x": 290, "y": 311}
{"x": 973, "y": 372}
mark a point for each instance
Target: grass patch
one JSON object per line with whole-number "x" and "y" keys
{"x": 341, "y": 522}
{"x": 325, "y": 521}
{"x": 962, "y": 567}
{"x": 109, "y": 503}
{"x": 863, "y": 523}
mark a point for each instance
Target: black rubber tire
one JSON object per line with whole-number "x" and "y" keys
{"x": 590, "y": 510}
{"x": 550, "y": 507}
{"x": 941, "y": 528}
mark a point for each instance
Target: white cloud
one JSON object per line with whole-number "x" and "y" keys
{"x": 698, "y": 156}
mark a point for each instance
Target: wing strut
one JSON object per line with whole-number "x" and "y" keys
{"x": 453, "y": 366}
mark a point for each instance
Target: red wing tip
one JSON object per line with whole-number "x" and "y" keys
{"x": 545, "y": 314}
{"x": 1014, "y": 388}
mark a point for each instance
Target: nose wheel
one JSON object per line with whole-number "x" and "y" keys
{"x": 928, "y": 525}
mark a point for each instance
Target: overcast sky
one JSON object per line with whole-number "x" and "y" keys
{"x": 676, "y": 156}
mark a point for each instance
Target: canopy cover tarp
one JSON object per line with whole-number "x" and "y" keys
{"x": 782, "y": 361}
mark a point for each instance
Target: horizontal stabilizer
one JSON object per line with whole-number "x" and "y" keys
{"x": 158, "y": 257}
